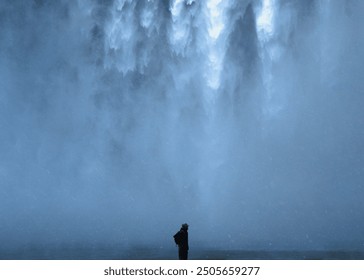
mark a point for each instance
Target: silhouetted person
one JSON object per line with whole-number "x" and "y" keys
{"x": 181, "y": 239}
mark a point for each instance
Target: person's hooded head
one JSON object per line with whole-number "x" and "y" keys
{"x": 185, "y": 226}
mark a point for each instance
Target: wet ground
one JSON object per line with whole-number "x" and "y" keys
{"x": 143, "y": 253}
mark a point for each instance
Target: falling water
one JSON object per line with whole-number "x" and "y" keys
{"x": 122, "y": 119}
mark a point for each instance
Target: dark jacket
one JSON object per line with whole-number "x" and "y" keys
{"x": 182, "y": 235}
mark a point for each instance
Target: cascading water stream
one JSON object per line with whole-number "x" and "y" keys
{"x": 117, "y": 116}
{"x": 215, "y": 48}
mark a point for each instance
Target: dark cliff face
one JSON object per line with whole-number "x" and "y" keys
{"x": 117, "y": 116}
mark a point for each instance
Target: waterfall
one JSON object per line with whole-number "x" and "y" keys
{"x": 122, "y": 119}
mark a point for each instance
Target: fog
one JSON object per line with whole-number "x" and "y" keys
{"x": 121, "y": 120}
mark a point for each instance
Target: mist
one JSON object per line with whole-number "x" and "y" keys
{"x": 121, "y": 120}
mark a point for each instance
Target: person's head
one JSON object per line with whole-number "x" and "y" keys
{"x": 185, "y": 226}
